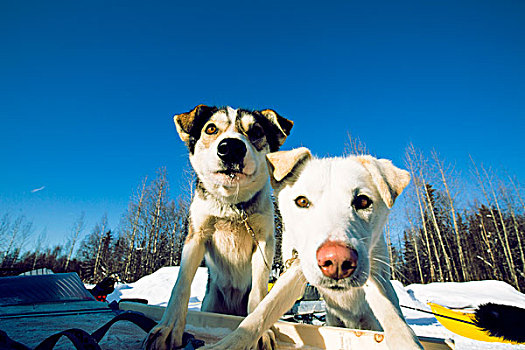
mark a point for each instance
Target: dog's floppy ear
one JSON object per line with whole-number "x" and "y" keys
{"x": 280, "y": 128}
{"x": 390, "y": 180}
{"x": 282, "y": 163}
{"x": 191, "y": 122}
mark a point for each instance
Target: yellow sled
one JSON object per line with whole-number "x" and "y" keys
{"x": 462, "y": 323}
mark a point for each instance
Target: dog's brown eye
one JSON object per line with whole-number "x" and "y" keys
{"x": 302, "y": 202}
{"x": 211, "y": 129}
{"x": 362, "y": 202}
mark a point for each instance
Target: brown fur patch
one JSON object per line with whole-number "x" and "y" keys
{"x": 184, "y": 122}
{"x": 191, "y": 232}
{"x": 221, "y": 121}
{"x": 205, "y": 231}
{"x": 208, "y": 140}
{"x": 363, "y": 160}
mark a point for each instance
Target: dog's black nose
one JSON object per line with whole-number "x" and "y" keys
{"x": 231, "y": 150}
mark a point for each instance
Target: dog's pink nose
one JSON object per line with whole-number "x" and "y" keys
{"x": 336, "y": 260}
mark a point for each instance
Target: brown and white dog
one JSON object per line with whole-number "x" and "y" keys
{"x": 333, "y": 212}
{"x": 231, "y": 214}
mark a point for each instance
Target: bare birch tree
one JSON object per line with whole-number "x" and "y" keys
{"x": 355, "y": 146}
{"x": 416, "y": 249}
{"x": 100, "y": 231}
{"x": 15, "y": 234}
{"x": 504, "y": 228}
{"x": 134, "y": 228}
{"x": 38, "y": 246}
{"x": 462, "y": 260}
{"x": 503, "y": 240}
{"x": 410, "y": 156}
{"x": 78, "y": 227}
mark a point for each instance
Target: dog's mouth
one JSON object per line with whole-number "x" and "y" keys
{"x": 340, "y": 286}
{"x": 357, "y": 279}
{"x": 230, "y": 175}
{"x": 337, "y": 288}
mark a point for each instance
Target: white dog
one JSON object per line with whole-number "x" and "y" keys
{"x": 231, "y": 214}
{"x": 333, "y": 212}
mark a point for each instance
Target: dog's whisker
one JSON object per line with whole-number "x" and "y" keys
{"x": 387, "y": 263}
{"x": 381, "y": 261}
{"x": 381, "y": 278}
{"x": 393, "y": 267}
{"x": 363, "y": 239}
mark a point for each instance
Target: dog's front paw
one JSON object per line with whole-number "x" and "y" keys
{"x": 234, "y": 341}
{"x": 267, "y": 341}
{"x": 163, "y": 337}
{"x": 241, "y": 339}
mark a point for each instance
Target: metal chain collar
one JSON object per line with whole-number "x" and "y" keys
{"x": 288, "y": 263}
{"x": 250, "y": 230}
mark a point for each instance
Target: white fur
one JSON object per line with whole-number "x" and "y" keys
{"x": 366, "y": 299}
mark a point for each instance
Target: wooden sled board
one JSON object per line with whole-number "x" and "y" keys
{"x": 294, "y": 334}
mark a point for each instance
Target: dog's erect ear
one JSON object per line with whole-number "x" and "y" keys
{"x": 282, "y": 163}
{"x": 280, "y": 128}
{"x": 390, "y": 180}
{"x": 191, "y": 122}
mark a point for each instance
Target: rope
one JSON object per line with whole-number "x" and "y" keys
{"x": 436, "y": 314}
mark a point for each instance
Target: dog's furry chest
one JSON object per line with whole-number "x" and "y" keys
{"x": 231, "y": 242}
{"x": 229, "y": 245}
{"x": 229, "y": 252}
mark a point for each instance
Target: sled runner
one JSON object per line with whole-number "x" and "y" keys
{"x": 211, "y": 327}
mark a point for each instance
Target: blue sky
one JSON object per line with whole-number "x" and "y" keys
{"x": 88, "y": 89}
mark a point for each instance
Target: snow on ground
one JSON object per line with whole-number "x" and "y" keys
{"x": 156, "y": 288}
{"x": 464, "y": 295}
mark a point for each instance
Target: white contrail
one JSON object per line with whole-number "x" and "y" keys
{"x": 38, "y": 189}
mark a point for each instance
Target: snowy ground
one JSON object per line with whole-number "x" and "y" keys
{"x": 156, "y": 288}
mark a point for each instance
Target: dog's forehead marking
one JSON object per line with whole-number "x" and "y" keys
{"x": 236, "y": 120}
{"x": 228, "y": 118}
{"x": 247, "y": 120}
{"x": 232, "y": 115}
{"x": 221, "y": 118}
